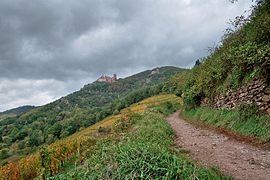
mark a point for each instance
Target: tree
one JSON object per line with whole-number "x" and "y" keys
{"x": 197, "y": 63}
{"x": 56, "y": 130}
{"x": 14, "y": 134}
{"x": 4, "y": 153}
{"x": 35, "y": 139}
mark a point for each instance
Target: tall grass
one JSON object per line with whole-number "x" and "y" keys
{"x": 141, "y": 151}
{"x": 257, "y": 126}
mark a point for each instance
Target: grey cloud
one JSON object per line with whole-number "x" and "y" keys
{"x": 34, "y": 92}
{"x": 68, "y": 41}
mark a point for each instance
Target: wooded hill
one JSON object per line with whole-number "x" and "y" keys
{"x": 22, "y": 134}
{"x": 16, "y": 111}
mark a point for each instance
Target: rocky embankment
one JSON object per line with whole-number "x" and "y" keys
{"x": 256, "y": 92}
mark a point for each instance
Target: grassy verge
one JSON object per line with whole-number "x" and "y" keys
{"x": 257, "y": 126}
{"x": 140, "y": 149}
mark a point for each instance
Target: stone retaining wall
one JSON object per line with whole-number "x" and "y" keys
{"x": 256, "y": 92}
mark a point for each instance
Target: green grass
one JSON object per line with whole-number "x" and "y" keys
{"x": 257, "y": 126}
{"x": 142, "y": 150}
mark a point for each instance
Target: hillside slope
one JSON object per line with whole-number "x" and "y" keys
{"x": 243, "y": 56}
{"x": 78, "y": 110}
{"x": 16, "y": 111}
{"x": 29, "y": 167}
{"x": 122, "y": 146}
{"x": 234, "y": 80}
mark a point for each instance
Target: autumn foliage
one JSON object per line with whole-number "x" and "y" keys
{"x": 49, "y": 160}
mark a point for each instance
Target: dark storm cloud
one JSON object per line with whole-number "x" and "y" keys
{"x": 71, "y": 42}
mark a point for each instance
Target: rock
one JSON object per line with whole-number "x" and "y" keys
{"x": 252, "y": 91}
{"x": 256, "y": 92}
{"x": 252, "y": 161}
{"x": 258, "y": 99}
{"x": 268, "y": 111}
{"x": 267, "y": 90}
{"x": 250, "y": 84}
{"x": 250, "y": 95}
{"x": 261, "y": 88}
{"x": 257, "y": 85}
{"x": 243, "y": 94}
{"x": 266, "y": 98}
{"x": 262, "y": 108}
{"x": 257, "y": 82}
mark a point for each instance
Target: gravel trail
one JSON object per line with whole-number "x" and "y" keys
{"x": 211, "y": 149}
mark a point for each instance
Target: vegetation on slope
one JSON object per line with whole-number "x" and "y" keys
{"x": 49, "y": 160}
{"x": 242, "y": 121}
{"x": 43, "y": 125}
{"x": 16, "y": 111}
{"x": 140, "y": 149}
{"x": 244, "y": 54}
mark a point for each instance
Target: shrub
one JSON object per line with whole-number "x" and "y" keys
{"x": 4, "y": 153}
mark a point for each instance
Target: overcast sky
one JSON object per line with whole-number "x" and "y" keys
{"x": 49, "y": 48}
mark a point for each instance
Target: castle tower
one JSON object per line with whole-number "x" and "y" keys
{"x": 114, "y": 77}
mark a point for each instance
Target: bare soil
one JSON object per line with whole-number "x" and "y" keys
{"x": 212, "y": 149}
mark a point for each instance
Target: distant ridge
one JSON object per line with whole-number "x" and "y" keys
{"x": 17, "y": 111}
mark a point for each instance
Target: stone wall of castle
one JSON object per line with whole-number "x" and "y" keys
{"x": 107, "y": 79}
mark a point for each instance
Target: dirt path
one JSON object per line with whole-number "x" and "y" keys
{"x": 210, "y": 149}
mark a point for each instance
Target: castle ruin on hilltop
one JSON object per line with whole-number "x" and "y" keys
{"x": 107, "y": 79}
{"x": 155, "y": 71}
